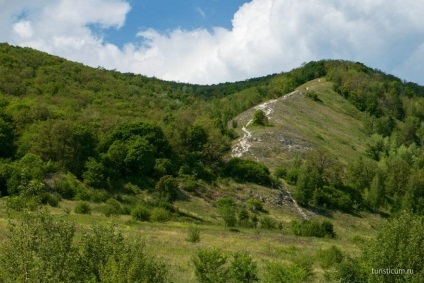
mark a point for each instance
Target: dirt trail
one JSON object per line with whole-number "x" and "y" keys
{"x": 245, "y": 142}
{"x": 298, "y": 208}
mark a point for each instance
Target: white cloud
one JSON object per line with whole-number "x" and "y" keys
{"x": 23, "y": 29}
{"x": 267, "y": 36}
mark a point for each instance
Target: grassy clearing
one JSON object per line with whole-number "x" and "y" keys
{"x": 167, "y": 241}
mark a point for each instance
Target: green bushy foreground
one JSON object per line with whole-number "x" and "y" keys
{"x": 43, "y": 249}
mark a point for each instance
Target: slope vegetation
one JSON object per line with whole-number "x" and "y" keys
{"x": 300, "y": 121}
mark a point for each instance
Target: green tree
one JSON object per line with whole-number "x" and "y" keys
{"x": 248, "y": 171}
{"x": 260, "y": 118}
{"x": 166, "y": 189}
{"x": 375, "y": 146}
{"x": 227, "y": 209}
{"x": 397, "y": 246}
{"x": 94, "y": 174}
{"x": 6, "y": 139}
{"x": 375, "y": 193}
{"x": 39, "y": 249}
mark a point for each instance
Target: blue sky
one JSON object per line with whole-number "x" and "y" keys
{"x": 214, "y": 41}
{"x": 166, "y": 15}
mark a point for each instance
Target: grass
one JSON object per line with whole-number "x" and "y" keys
{"x": 168, "y": 240}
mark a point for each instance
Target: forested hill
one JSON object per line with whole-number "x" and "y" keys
{"x": 104, "y": 129}
{"x": 342, "y": 147}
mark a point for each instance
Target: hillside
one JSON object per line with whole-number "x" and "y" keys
{"x": 287, "y": 177}
{"x": 298, "y": 123}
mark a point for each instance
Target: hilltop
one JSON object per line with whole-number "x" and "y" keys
{"x": 298, "y": 123}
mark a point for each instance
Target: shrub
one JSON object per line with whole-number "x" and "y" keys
{"x": 330, "y": 257}
{"x": 188, "y": 183}
{"x": 140, "y": 213}
{"x": 50, "y": 199}
{"x": 244, "y": 219}
{"x": 255, "y": 204}
{"x": 328, "y": 229}
{"x": 160, "y": 214}
{"x": 351, "y": 271}
{"x": 313, "y": 228}
{"x": 399, "y": 244}
{"x": 299, "y": 272}
{"x": 243, "y": 269}
{"x": 19, "y": 203}
{"x": 39, "y": 249}
{"x": 313, "y": 95}
{"x": 131, "y": 264}
{"x": 227, "y": 210}
{"x": 82, "y": 208}
{"x": 193, "y": 235}
{"x": 260, "y": 118}
{"x": 267, "y": 222}
{"x": 115, "y": 206}
{"x": 107, "y": 257}
{"x": 292, "y": 175}
{"x": 280, "y": 172}
{"x": 166, "y": 189}
{"x": 243, "y": 170}
{"x": 209, "y": 266}
{"x": 66, "y": 186}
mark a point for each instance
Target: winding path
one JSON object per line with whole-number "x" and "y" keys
{"x": 245, "y": 142}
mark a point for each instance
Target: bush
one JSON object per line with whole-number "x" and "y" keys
{"x": 19, "y": 203}
{"x": 243, "y": 268}
{"x": 193, "y": 235}
{"x": 82, "y": 208}
{"x": 280, "y": 172}
{"x": 226, "y": 208}
{"x": 209, "y": 266}
{"x": 244, "y": 219}
{"x": 267, "y": 222}
{"x": 160, "y": 214}
{"x": 292, "y": 175}
{"x": 107, "y": 257}
{"x": 255, "y": 204}
{"x": 313, "y": 95}
{"x": 312, "y": 228}
{"x": 39, "y": 249}
{"x": 398, "y": 245}
{"x": 299, "y": 272}
{"x": 140, "y": 213}
{"x": 260, "y": 118}
{"x": 114, "y": 207}
{"x": 50, "y": 199}
{"x": 243, "y": 170}
{"x": 166, "y": 189}
{"x": 330, "y": 257}
{"x": 351, "y": 270}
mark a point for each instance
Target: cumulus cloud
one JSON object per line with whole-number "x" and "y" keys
{"x": 267, "y": 36}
